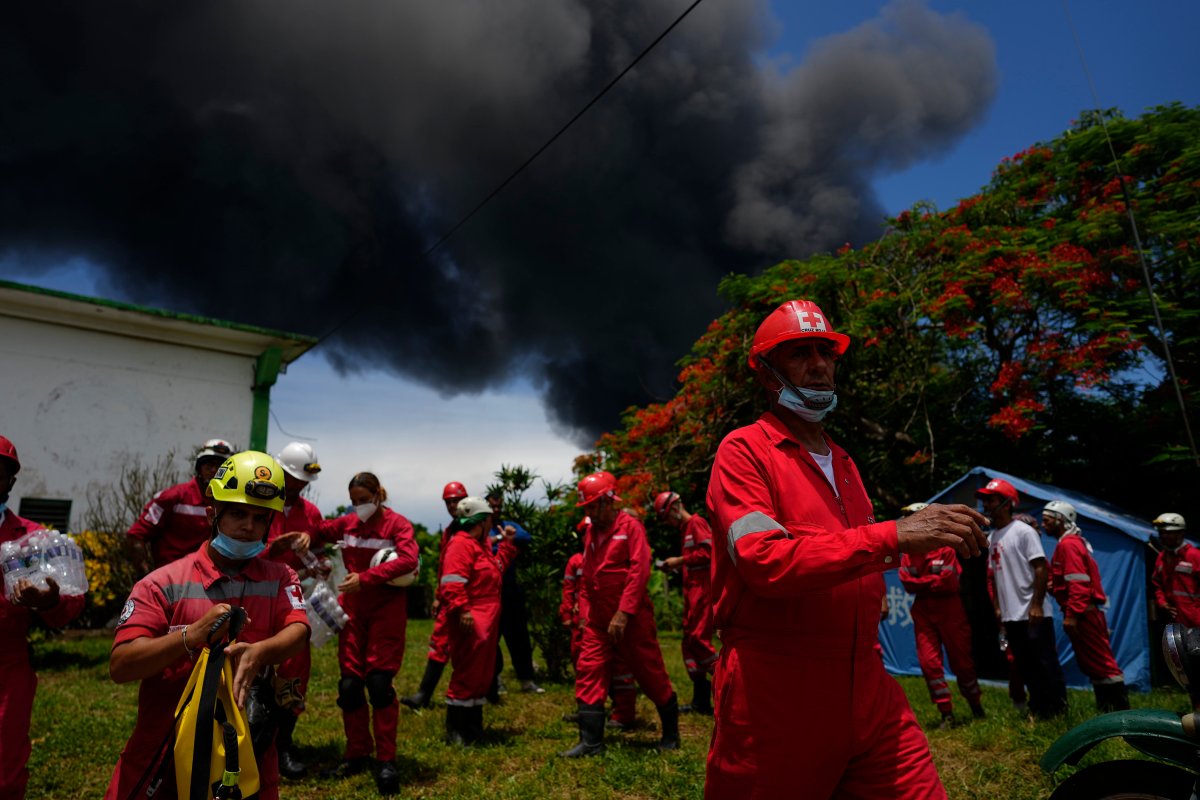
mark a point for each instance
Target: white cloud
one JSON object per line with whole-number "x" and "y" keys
{"x": 414, "y": 439}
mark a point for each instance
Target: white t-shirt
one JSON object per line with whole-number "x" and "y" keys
{"x": 825, "y": 462}
{"x": 1010, "y": 549}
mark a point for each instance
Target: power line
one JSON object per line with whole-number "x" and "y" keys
{"x": 1137, "y": 238}
{"x": 445, "y": 237}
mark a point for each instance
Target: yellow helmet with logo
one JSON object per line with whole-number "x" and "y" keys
{"x": 249, "y": 477}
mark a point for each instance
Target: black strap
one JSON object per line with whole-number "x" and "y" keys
{"x": 205, "y": 713}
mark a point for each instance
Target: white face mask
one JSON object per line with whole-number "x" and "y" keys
{"x": 807, "y": 404}
{"x": 366, "y": 511}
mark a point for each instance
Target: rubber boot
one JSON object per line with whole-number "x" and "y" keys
{"x": 669, "y": 716}
{"x": 387, "y": 779}
{"x": 423, "y": 697}
{"x": 289, "y": 765}
{"x": 701, "y": 697}
{"x": 456, "y": 725}
{"x": 474, "y": 722}
{"x": 591, "y": 732}
{"x": 1111, "y": 697}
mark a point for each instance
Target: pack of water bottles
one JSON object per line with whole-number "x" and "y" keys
{"x": 325, "y": 616}
{"x": 39, "y": 555}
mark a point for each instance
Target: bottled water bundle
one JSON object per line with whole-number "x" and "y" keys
{"x": 43, "y": 554}
{"x": 325, "y": 616}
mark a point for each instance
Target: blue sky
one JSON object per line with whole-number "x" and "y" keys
{"x": 1140, "y": 55}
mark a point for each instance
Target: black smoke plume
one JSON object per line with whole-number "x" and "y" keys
{"x": 285, "y": 164}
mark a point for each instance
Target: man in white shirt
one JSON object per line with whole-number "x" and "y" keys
{"x": 1018, "y": 578}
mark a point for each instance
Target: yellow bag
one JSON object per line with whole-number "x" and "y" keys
{"x": 208, "y": 722}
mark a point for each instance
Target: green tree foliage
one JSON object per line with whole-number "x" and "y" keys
{"x": 1013, "y": 330}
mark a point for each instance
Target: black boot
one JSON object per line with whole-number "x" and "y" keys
{"x": 424, "y": 695}
{"x": 474, "y": 722}
{"x": 591, "y": 732}
{"x": 388, "y": 777}
{"x": 701, "y": 697}
{"x": 669, "y": 716}
{"x": 289, "y": 765}
{"x": 456, "y": 725}
{"x": 1111, "y": 697}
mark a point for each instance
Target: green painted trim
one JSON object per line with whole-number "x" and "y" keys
{"x": 158, "y": 312}
{"x": 266, "y": 370}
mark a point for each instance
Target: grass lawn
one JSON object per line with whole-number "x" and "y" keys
{"x": 81, "y": 721}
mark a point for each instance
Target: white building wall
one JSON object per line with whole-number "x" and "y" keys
{"x": 76, "y": 402}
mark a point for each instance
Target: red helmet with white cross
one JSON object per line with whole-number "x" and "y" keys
{"x": 664, "y": 501}
{"x": 795, "y": 319}
{"x": 1001, "y": 487}
{"x": 596, "y": 486}
{"x": 454, "y": 491}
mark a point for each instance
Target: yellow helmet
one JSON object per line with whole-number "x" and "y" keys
{"x": 249, "y": 477}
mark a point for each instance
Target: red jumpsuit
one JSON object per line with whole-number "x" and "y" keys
{"x": 373, "y": 641}
{"x": 1075, "y": 584}
{"x": 803, "y": 705}
{"x": 305, "y": 517}
{"x": 163, "y": 602}
{"x": 939, "y": 620}
{"x": 571, "y": 611}
{"x": 471, "y": 581}
{"x": 616, "y": 569}
{"x": 1177, "y": 583}
{"x": 698, "y": 653}
{"x": 439, "y": 640}
{"x": 174, "y": 522}
{"x": 19, "y": 681}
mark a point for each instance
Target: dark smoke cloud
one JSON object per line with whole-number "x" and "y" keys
{"x": 283, "y": 164}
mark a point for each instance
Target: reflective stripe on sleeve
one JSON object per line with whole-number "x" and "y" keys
{"x": 452, "y": 578}
{"x": 1078, "y": 576}
{"x": 370, "y": 544}
{"x": 754, "y": 522}
{"x": 190, "y": 511}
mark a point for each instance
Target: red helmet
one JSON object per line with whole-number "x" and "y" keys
{"x": 664, "y": 501}
{"x": 454, "y": 491}
{"x": 8, "y": 451}
{"x": 596, "y": 486}
{"x": 1000, "y": 487}
{"x": 795, "y": 319}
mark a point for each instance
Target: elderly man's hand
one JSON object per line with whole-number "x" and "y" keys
{"x": 958, "y": 526}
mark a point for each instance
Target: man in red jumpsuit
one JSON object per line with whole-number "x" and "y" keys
{"x": 169, "y": 614}
{"x": 19, "y": 681}
{"x": 439, "y": 641}
{"x": 619, "y": 617}
{"x": 471, "y": 584}
{"x": 287, "y": 543}
{"x": 1176, "y": 572}
{"x": 803, "y": 705}
{"x": 1075, "y": 584}
{"x": 699, "y": 657}
{"x": 940, "y": 620}
{"x": 175, "y": 523}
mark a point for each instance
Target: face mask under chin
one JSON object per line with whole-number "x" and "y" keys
{"x": 235, "y": 549}
{"x": 810, "y": 405}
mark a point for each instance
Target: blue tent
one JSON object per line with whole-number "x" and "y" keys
{"x": 1120, "y": 547}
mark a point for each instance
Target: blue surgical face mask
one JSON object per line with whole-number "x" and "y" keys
{"x": 235, "y": 549}
{"x": 807, "y": 404}
{"x": 3, "y": 508}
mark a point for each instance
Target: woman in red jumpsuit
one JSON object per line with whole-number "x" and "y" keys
{"x": 471, "y": 579}
{"x": 371, "y": 646}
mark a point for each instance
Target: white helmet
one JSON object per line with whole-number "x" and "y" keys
{"x": 1060, "y": 509}
{"x": 300, "y": 461}
{"x": 1170, "y": 522}
{"x": 218, "y": 449}
{"x": 386, "y": 554}
{"x": 470, "y": 506}
{"x": 913, "y": 508}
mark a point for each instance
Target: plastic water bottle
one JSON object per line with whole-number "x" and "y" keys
{"x": 13, "y": 567}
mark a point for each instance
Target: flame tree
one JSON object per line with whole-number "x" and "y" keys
{"x": 1012, "y": 330}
